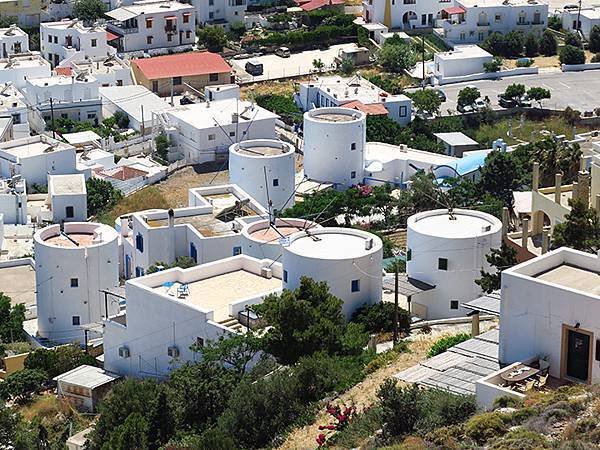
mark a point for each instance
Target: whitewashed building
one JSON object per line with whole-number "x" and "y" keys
{"x": 203, "y": 132}
{"x": 471, "y": 21}
{"x": 36, "y": 157}
{"x": 355, "y": 93}
{"x": 13, "y": 40}
{"x": 207, "y": 230}
{"x": 265, "y": 169}
{"x": 14, "y": 105}
{"x": 67, "y": 195}
{"x": 17, "y": 69}
{"x": 73, "y": 97}
{"x": 71, "y": 40}
{"x": 460, "y": 61}
{"x": 152, "y": 24}
{"x": 74, "y": 263}
{"x": 13, "y": 201}
{"x": 219, "y": 12}
{"x": 108, "y": 70}
{"x": 448, "y": 251}
{"x": 588, "y": 18}
{"x": 549, "y": 308}
{"x": 184, "y": 308}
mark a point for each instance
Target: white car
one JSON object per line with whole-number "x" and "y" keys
{"x": 479, "y": 105}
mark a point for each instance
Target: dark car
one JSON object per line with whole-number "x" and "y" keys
{"x": 506, "y": 102}
{"x": 441, "y": 95}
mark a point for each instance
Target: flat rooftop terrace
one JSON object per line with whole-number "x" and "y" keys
{"x": 573, "y": 277}
{"x": 218, "y": 292}
{"x": 262, "y": 150}
{"x": 18, "y": 283}
{"x": 333, "y": 117}
{"x": 24, "y": 150}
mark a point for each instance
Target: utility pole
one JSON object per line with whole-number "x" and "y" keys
{"x": 171, "y": 91}
{"x": 52, "y": 117}
{"x": 578, "y": 28}
{"x": 395, "y": 299}
{"x": 423, "y": 56}
{"x": 142, "y": 127}
{"x": 85, "y": 333}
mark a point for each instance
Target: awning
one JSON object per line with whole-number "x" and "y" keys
{"x": 454, "y": 10}
{"x": 487, "y": 304}
{"x": 171, "y": 18}
{"x": 121, "y": 14}
{"x": 407, "y": 286}
{"x": 111, "y": 37}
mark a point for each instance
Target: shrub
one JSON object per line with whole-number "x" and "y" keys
{"x": 524, "y": 62}
{"x": 162, "y": 144}
{"x": 554, "y": 23}
{"x": 548, "y": 44}
{"x": 101, "y": 196}
{"x": 492, "y": 66}
{"x": 443, "y": 344}
{"x": 362, "y": 426}
{"x": 522, "y": 439}
{"x": 213, "y": 38}
{"x": 484, "y": 427}
{"x": 379, "y": 318}
{"x": 447, "y": 438}
{"x": 281, "y": 104}
{"x": 23, "y": 384}
{"x": 396, "y": 56}
{"x": 572, "y": 38}
{"x": 596, "y": 58}
{"x": 399, "y": 406}
{"x": 594, "y": 39}
{"x": 440, "y": 409}
{"x": 467, "y": 96}
{"x": 383, "y": 359}
{"x": 508, "y": 401}
{"x": 531, "y": 45}
{"x": 513, "y": 43}
{"x": 58, "y": 360}
{"x": 571, "y": 55}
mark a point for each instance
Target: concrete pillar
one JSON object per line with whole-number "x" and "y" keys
{"x": 545, "y": 239}
{"x": 475, "y": 324}
{"x": 505, "y": 219}
{"x": 536, "y": 176}
{"x": 575, "y": 190}
{"x": 583, "y": 180}
{"x": 598, "y": 205}
{"x": 582, "y": 167}
{"x": 524, "y": 232}
{"x": 595, "y": 175}
{"x": 557, "y": 186}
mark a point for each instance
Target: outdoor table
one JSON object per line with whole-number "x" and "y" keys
{"x": 519, "y": 373}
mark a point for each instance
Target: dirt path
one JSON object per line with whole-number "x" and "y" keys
{"x": 361, "y": 395}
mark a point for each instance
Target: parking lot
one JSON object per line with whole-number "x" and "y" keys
{"x": 575, "y": 89}
{"x": 275, "y": 67}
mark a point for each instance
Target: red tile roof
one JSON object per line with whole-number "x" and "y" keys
{"x": 182, "y": 65}
{"x": 311, "y": 5}
{"x": 372, "y": 109}
{"x": 123, "y": 173}
{"x": 66, "y": 71}
{"x": 455, "y": 10}
{"x": 111, "y": 36}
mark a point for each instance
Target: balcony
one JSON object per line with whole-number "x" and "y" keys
{"x": 120, "y": 28}
{"x": 170, "y": 28}
{"x": 537, "y": 22}
{"x": 523, "y": 23}
{"x": 483, "y": 24}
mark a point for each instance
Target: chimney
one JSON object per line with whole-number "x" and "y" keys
{"x": 524, "y": 232}
{"x": 171, "y": 218}
{"x": 536, "y": 176}
{"x": 545, "y": 239}
{"x": 583, "y": 179}
{"x": 557, "y": 186}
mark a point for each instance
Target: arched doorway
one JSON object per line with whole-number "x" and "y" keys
{"x": 407, "y": 17}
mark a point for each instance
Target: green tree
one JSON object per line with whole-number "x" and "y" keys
{"x": 121, "y": 119}
{"x": 89, "y": 10}
{"x": 500, "y": 259}
{"x": 467, "y": 96}
{"x": 379, "y": 318}
{"x": 532, "y": 45}
{"x": 101, "y": 196}
{"x": 11, "y": 320}
{"x": 318, "y": 64}
{"x": 160, "y": 422}
{"x": 594, "y": 39}
{"x": 198, "y": 394}
{"x": 23, "y": 384}
{"x": 571, "y": 55}
{"x": 580, "y": 230}
{"x": 499, "y": 176}
{"x": 213, "y": 38}
{"x": 494, "y": 44}
{"x": 538, "y": 94}
{"x": 347, "y": 66}
{"x": 58, "y": 360}
{"x": 396, "y": 56}
{"x": 573, "y": 39}
{"x": 132, "y": 433}
{"x": 302, "y": 322}
{"x": 162, "y": 144}
{"x": 513, "y": 43}
{"x": 515, "y": 91}
{"x": 183, "y": 262}
{"x": 555, "y": 23}
{"x": 235, "y": 351}
{"x": 426, "y": 101}
{"x": 548, "y": 44}
{"x": 8, "y": 424}
{"x": 493, "y": 66}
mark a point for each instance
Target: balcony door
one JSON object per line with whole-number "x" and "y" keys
{"x": 576, "y": 360}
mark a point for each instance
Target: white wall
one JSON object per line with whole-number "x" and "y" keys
{"x": 59, "y": 204}
{"x": 35, "y": 169}
{"x": 87, "y": 42}
{"x": 19, "y": 73}
{"x": 452, "y": 67}
{"x": 569, "y": 19}
{"x": 404, "y": 16}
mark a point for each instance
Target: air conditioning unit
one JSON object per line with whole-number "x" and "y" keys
{"x": 266, "y": 272}
{"x": 173, "y": 351}
{"x": 123, "y": 352}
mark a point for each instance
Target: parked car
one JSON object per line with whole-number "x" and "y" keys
{"x": 506, "y": 102}
{"x": 479, "y": 105}
{"x": 283, "y": 52}
{"x": 441, "y": 95}
{"x": 254, "y": 67}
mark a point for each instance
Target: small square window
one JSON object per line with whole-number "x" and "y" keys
{"x": 353, "y": 174}
{"x": 442, "y": 264}
{"x": 154, "y": 86}
{"x": 355, "y": 285}
{"x": 453, "y": 304}
{"x": 69, "y": 212}
{"x": 94, "y": 42}
{"x": 285, "y": 275}
{"x": 177, "y": 81}
{"x": 237, "y": 251}
{"x": 74, "y": 282}
{"x": 408, "y": 254}
{"x": 148, "y": 40}
{"x": 75, "y": 320}
{"x": 199, "y": 342}
{"x": 213, "y": 77}
{"x": 275, "y": 182}
{"x": 212, "y": 137}
{"x": 232, "y": 133}
{"x": 353, "y": 146}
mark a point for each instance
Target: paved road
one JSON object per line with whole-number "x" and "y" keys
{"x": 579, "y": 90}
{"x": 297, "y": 64}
